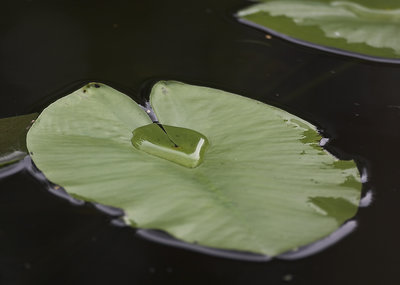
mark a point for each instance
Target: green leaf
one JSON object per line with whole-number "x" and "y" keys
{"x": 344, "y": 25}
{"x": 264, "y": 186}
{"x": 13, "y": 132}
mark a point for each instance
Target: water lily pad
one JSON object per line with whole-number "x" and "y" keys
{"x": 370, "y": 30}
{"x": 13, "y": 132}
{"x": 264, "y": 184}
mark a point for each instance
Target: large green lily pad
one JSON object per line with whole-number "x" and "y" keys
{"x": 366, "y": 27}
{"x": 264, "y": 184}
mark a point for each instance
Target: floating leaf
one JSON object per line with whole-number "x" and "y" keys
{"x": 13, "y": 132}
{"x": 264, "y": 184}
{"x": 344, "y": 25}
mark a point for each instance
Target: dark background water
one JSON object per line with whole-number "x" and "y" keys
{"x": 48, "y": 49}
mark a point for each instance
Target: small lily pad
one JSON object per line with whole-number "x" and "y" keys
{"x": 264, "y": 184}
{"x": 360, "y": 27}
{"x": 13, "y": 132}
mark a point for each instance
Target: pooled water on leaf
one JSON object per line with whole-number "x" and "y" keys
{"x": 179, "y": 145}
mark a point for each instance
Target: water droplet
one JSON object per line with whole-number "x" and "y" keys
{"x": 179, "y": 145}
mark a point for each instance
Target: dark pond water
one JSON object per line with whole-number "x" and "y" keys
{"x": 48, "y": 49}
